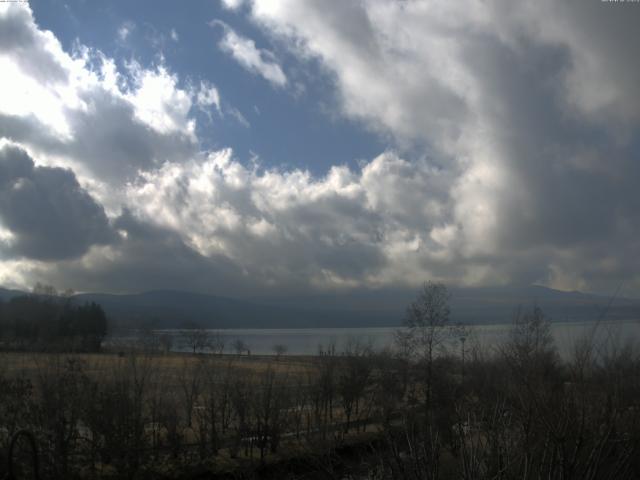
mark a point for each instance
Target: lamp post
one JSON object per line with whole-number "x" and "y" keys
{"x": 462, "y": 340}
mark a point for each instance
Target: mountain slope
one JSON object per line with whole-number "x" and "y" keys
{"x": 176, "y": 309}
{"x": 7, "y": 294}
{"x": 356, "y": 309}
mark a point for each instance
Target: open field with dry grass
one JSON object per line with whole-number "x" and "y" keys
{"x": 28, "y": 363}
{"x": 176, "y": 410}
{"x": 517, "y": 409}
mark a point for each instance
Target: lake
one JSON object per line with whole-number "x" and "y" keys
{"x": 606, "y": 335}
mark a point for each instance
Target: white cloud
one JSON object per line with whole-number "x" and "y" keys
{"x": 504, "y": 97}
{"x": 346, "y": 226}
{"x": 125, "y": 30}
{"x": 238, "y": 116}
{"x": 208, "y": 96}
{"x": 159, "y": 102}
{"x": 521, "y": 175}
{"x": 78, "y": 110}
{"x": 232, "y": 4}
{"x": 258, "y": 61}
{"x": 174, "y": 35}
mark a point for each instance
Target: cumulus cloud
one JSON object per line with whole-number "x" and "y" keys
{"x": 347, "y": 228}
{"x": 158, "y": 101}
{"x": 232, "y": 4}
{"x": 531, "y": 111}
{"x": 257, "y": 61}
{"x": 47, "y": 214}
{"x": 148, "y": 257}
{"x": 79, "y": 110}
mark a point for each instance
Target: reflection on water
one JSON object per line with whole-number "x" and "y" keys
{"x": 605, "y": 335}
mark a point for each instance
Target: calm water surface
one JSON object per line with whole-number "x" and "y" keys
{"x": 606, "y": 335}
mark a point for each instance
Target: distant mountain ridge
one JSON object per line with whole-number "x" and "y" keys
{"x": 7, "y": 293}
{"x": 178, "y": 309}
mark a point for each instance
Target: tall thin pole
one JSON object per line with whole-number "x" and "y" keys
{"x": 462, "y": 340}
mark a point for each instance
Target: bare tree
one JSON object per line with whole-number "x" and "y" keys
{"x": 166, "y": 342}
{"x": 279, "y": 349}
{"x": 216, "y": 343}
{"x": 425, "y": 322}
{"x": 353, "y": 378}
{"x": 147, "y": 340}
{"x": 215, "y": 404}
{"x": 44, "y": 290}
{"x": 530, "y": 348}
{"x": 268, "y": 402}
{"x": 198, "y": 340}
{"x": 240, "y": 399}
{"x": 239, "y": 346}
{"x": 389, "y": 384}
{"x": 322, "y": 383}
{"x": 190, "y": 380}
{"x": 461, "y": 333}
{"x": 60, "y": 382}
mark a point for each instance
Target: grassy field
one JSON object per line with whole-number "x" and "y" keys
{"x": 146, "y": 415}
{"x": 28, "y": 363}
{"x": 222, "y": 412}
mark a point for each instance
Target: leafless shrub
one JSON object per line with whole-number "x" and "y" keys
{"x": 279, "y": 349}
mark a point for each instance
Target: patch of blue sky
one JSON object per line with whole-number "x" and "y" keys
{"x": 296, "y": 126}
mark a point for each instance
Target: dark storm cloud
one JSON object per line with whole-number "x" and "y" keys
{"x": 551, "y": 199}
{"x": 49, "y": 214}
{"x": 531, "y": 106}
{"x": 570, "y": 181}
{"x": 150, "y": 257}
{"x": 114, "y": 146}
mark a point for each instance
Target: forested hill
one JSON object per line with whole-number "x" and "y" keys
{"x": 175, "y": 309}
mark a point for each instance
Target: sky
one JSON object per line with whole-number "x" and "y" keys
{"x": 265, "y": 147}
